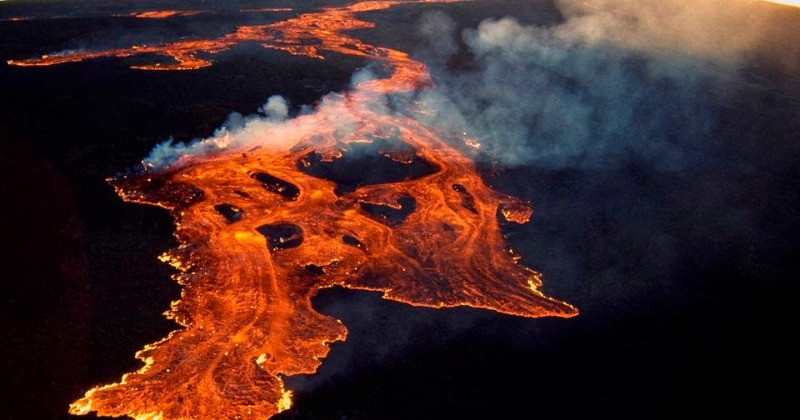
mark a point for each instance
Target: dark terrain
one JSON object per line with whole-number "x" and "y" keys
{"x": 686, "y": 280}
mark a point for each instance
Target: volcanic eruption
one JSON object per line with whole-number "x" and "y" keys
{"x": 358, "y": 194}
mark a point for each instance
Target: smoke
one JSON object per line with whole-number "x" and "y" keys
{"x": 615, "y": 82}
{"x": 274, "y": 128}
{"x": 270, "y": 129}
{"x": 237, "y": 131}
{"x": 707, "y": 29}
{"x": 276, "y": 108}
{"x": 437, "y": 28}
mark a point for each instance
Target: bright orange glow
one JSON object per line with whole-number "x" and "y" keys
{"x": 293, "y": 35}
{"x": 262, "y": 230}
{"x": 795, "y": 3}
{"x": 267, "y": 10}
{"x": 163, "y": 14}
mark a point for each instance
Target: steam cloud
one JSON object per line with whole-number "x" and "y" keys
{"x": 618, "y": 81}
{"x": 615, "y": 82}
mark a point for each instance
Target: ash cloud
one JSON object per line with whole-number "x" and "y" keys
{"x": 615, "y": 82}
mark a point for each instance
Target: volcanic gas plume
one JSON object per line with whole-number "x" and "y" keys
{"x": 265, "y": 223}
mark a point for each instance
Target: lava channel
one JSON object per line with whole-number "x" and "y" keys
{"x": 352, "y": 195}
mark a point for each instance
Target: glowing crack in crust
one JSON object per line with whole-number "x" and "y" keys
{"x": 263, "y": 229}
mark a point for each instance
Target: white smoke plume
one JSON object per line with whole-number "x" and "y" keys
{"x": 270, "y": 129}
{"x": 614, "y": 82}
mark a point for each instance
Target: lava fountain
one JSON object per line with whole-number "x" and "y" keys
{"x": 264, "y": 224}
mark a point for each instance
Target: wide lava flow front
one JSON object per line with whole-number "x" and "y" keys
{"x": 353, "y": 195}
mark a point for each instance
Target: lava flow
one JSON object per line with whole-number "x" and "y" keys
{"x": 357, "y": 194}
{"x": 163, "y": 14}
{"x": 299, "y": 36}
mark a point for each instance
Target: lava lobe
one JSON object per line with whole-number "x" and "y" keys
{"x": 379, "y": 201}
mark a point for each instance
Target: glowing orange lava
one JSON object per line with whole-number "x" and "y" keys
{"x": 267, "y": 10}
{"x": 163, "y": 14}
{"x": 262, "y": 229}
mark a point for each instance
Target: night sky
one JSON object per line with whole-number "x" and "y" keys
{"x": 677, "y": 239}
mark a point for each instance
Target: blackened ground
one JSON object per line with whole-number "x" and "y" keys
{"x": 82, "y": 287}
{"x": 381, "y": 161}
{"x": 686, "y": 280}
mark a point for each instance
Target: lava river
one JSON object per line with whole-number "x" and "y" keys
{"x": 264, "y": 224}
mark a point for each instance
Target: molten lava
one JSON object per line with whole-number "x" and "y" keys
{"x": 297, "y": 36}
{"x": 267, "y": 10}
{"x": 163, "y": 14}
{"x": 356, "y": 195}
